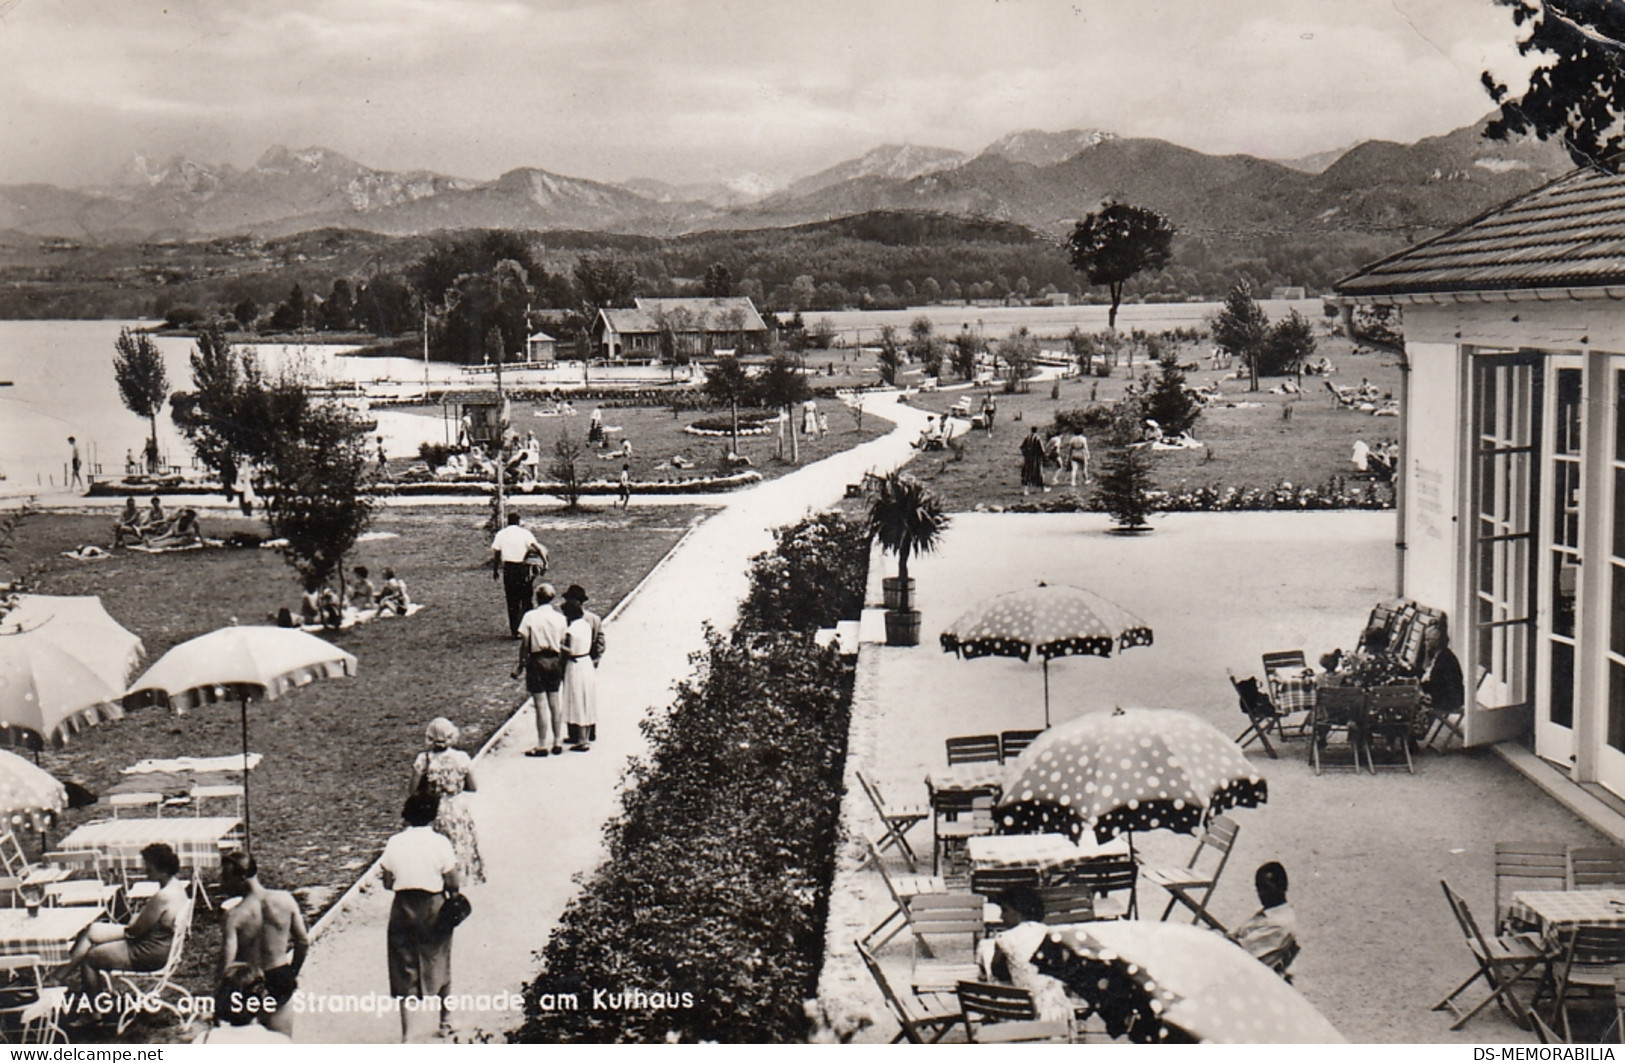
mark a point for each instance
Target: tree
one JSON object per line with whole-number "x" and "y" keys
{"x": 802, "y": 292}
{"x": 338, "y": 312}
{"x": 1125, "y": 487}
{"x": 891, "y": 359}
{"x": 952, "y": 291}
{"x": 1082, "y": 346}
{"x": 906, "y": 519}
{"x": 208, "y": 414}
{"x": 1241, "y": 328}
{"x": 566, "y": 468}
{"x": 603, "y": 281}
{"x": 930, "y": 290}
{"x": 1577, "y": 92}
{"x": 475, "y": 304}
{"x": 317, "y": 490}
{"x": 1290, "y": 343}
{"x": 718, "y": 283}
{"x": 246, "y": 312}
{"x": 1018, "y": 351}
{"x": 782, "y": 387}
{"x": 385, "y": 306}
{"x": 1168, "y": 402}
{"x": 924, "y": 347}
{"x": 967, "y": 345}
{"x": 727, "y": 384}
{"x": 1116, "y": 242}
{"x": 143, "y": 384}
{"x": 823, "y": 334}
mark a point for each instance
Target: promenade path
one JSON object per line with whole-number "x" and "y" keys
{"x": 540, "y": 820}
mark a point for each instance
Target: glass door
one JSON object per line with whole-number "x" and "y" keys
{"x": 1611, "y": 759}
{"x": 1559, "y": 579}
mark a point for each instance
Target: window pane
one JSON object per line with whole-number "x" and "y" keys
{"x": 1616, "y": 622}
{"x": 1562, "y": 684}
{"x": 1619, "y": 415}
{"x": 1616, "y": 705}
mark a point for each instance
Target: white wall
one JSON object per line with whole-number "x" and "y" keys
{"x": 1561, "y": 325}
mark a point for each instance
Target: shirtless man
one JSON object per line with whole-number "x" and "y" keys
{"x": 266, "y": 929}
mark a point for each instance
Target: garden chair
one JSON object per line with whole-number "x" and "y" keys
{"x": 1107, "y": 879}
{"x": 1289, "y": 698}
{"x": 1003, "y": 1014}
{"x": 29, "y": 1011}
{"x": 973, "y": 749}
{"x": 1588, "y": 970}
{"x": 1391, "y": 716}
{"x": 1066, "y": 903}
{"x": 934, "y": 914}
{"x": 897, "y": 821}
{"x": 1011, "y": 743}
{"x": 150, "y": 992}
{"x": 1260, "y": 713}
{"x": 903, "y": 889}
{"x": 1596, "y": 867}
{"x": 91, "y": 889}
{"x": 1501, "y": 962}
{"x": 960, "y": 816}
{"x": 992, "y": 881}
{"x": 1343, "y": 398}
{"x": 920, "y": 1021}
{"x": 1527, "y": 866}
{"x": 1338, "y": 710}
{"x": 1191, "y": 885}
{"x": 20, "y": 873}
{"x": 232, "y": 792}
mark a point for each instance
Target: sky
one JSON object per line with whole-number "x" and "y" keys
{"x": 701, "y": 90}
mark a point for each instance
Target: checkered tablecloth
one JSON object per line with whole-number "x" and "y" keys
{"x": 1043, "y": 851}
{"x": 48, "y": 935}
{"x": 1561, "y": 909}
{"x": 195, "y": 839}
{"x": 1292, "y": 691}
{"x": 981, "y": 775}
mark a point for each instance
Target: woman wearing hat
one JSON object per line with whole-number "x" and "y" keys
{"x": 448, "y": 774}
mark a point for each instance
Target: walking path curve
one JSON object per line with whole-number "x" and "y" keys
{"x": 540, "y": 821}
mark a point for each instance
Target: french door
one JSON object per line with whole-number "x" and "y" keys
{"x": 1557, "y": 598}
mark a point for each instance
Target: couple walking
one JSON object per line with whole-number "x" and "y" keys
{"x": 560, "y": 645}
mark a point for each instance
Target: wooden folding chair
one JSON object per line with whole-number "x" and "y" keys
{"x": 1589, "y": 969}
{"x": 1391, "y": 716}
{"x": 973, "y": 749}
{"x": 1107, "y": 878}
{"x": 1598, "y": 867}
{"x": 921, "y": 1022}
{"x": 1338, "y": 710}
{"x": 935, "y": 914}
{"x": 1191, "y": 885}
{"x": 1066, "y": 903}
{"x": 903, "y": 889}
{"x": 1011, "y": 743}
{"x": 990, "y": 882}
{"x": 1260, "y": 713}
{"x": 1501, "y": 961}
{"x": 1526, "y": 866}
{"x": 897, "y": 821}
{"x": 1286, "y": 662}
{"x": 1004, "y": 1014}
{"x": 957, "y": 817}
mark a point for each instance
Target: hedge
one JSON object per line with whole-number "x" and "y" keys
{"x": 714, "y": 897}
{"x": 1336, "y": 493}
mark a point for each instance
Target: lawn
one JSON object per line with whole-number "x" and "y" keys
{"x": 1245, "y": 445}
{"x": 337, "y": 754}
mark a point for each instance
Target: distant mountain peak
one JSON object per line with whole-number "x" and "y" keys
{"x": 1042, "y": 148}
{"x": 900, "y": 162}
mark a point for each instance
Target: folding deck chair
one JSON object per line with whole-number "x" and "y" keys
{"x": 1003, "y": 1014}
{"x": 1260, "y": 713}
{"x": 1526, "y": 866}
{"x": 1013, "y": 743}
{"x": 973, "y": 749}
{"x": 1391, "y": 715}
{"x": 1501, "y": 961}
{"x": 1191, "y": 885}
{"x": 1596, "y": 867}
{"x": 1338, "y": 710}
{"x": 921, "y": 1022}
{"x": 897, "y": 821}
{"x": 903, "y": 889}
{"x": 1589, "y": 969}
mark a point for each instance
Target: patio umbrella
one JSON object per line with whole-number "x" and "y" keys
{"x": 1127, "y": 770}
{"x": 28, "y": 795}
{"x": 79, "y": 625}
{"x": 239, "y": 664}
{"x": 47, "y": 694}
{"x": 1185, "y": 976}
{"x": 1056, "y": 621}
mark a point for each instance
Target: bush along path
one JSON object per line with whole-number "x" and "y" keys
{"x": 541, "y": 820}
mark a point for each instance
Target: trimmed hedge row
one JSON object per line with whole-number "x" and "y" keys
{"x": 713, "y": 902}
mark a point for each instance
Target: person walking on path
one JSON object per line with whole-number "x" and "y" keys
{"x": 580, "y": 690}
{"x": 541, "y": 659}
{"x": 77, "y": 480}
{"x": 267, "y": 929}
{"x": 578, "y": 593}
{"x": 1032, "y": 461}
{"x": 448, "y": 773}
{"x": 420, "y": 867}
{"x": 514, "y": 552}
{"x": 624, "y": 486}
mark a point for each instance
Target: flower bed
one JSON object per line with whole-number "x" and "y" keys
{"x": 1336, "y": 493}
{"x": 714, "y": 897}
{"x": 479, "y": 488}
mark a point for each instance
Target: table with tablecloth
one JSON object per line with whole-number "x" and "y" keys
{"x": 176, "y": 777}
{"x": 1556, "y": 910}
{"x": 976, "y": 776}
{"x": 1046, "y": 852}
{"x": 197, "y": 840}
{"x": 48, "y": 934}
{"x": 1292, "y": 690}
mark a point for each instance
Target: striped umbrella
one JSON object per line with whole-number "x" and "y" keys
{"x": 28, "y": 795}
{"x": 81, "y": 626}
{"x": 48, "y": 694}
{"x": 1056, "y": 621}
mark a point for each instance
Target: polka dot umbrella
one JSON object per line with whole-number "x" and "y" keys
{"x": 1056, "y": 621}
{"x": 28, "y": 795}
{"x": 1184, "y": 982}
{"x": 1127, "y": 770}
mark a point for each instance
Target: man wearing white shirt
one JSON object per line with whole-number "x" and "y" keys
{"x": 512, "y": 553}
{"x": 541, "y": 659}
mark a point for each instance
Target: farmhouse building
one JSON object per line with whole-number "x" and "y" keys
{"x": 1511, "y": 505}
{"x": 697, "y": 327}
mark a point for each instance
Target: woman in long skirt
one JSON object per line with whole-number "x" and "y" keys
{"x": 419, "y": 866}
{"x": 448, "y": 773}
{"x": 580, "y": 690}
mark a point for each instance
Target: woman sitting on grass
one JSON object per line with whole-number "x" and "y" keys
{"x": 184, "y": 531}
{"x": 143, "y": 945}
{"x": 129, "y": 525}
{"x": 393, "y": 597}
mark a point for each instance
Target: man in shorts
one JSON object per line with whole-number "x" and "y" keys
{"x": 266, "y": 929}
{"x": 541, "y": 658}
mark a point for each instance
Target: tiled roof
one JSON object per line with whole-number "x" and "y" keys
{"x": 645, "y": 316}
{"x": 1567, "y": 234}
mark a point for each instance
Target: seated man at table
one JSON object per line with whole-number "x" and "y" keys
{"x": 266, "y": 929}
{"x": 1273, "y": 929}
{"x": 144, "y": 944}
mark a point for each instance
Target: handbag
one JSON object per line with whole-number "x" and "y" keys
{"x": 452, "y": 913}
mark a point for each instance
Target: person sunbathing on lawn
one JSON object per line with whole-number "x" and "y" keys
{"x": 129, "y": 524}
{"x": 183, "y": 531}
{"x": 393, "y": 596}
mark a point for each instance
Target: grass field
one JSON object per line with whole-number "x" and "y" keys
{"x": 1245, "y": 445}
{"x": 337, "y": 753}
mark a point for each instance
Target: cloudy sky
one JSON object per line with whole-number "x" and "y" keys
{"x": 689, "y": 90}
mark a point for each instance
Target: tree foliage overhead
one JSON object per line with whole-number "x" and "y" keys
{"x": 1577, "y": 92}
{"x": 1116, "y": 242}
{"x": 479, "y": 303}
{"x": 143, "y": 384}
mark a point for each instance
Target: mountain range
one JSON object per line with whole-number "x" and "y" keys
{"x": 1042, "y": 180}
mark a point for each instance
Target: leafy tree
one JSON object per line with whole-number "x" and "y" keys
{"x": 1116, "y": 242}
{"x": 780, "y": 384}
{"x": 1125, "y": 487}
{"x": 1167, "y": 400}
{"x": 931, "y": 290}
{"x": 386, "y": 306}
{"x": 143, "y": 384}
{"x": 718, "y": 283}
{"x": 727, "y": 384}
{"x": 604, "y": 281}
{"x": 208, "y": 415}
{"x": 967, "y": 345}
{"x": 1290, "y": 343}
{"x": 823, "y": 334}
{"x": 1018, "y": 351}
{"x": 891, "y": 358}
{"x": 952, "y": 291}
{"x": 1241, "y": 328}
{"x": 476, "y": 304}
{"x": 439, "y": 270}
{"x": 803, "y": 292}
{"x": 317, "y": 489}
{"x": 246, "y": 312}
{"x": 182, "y": 316}
{"x": 338, "y": 312}
{"x": 566, "y": 469}
{"x": 1577, "y": 90}
{"x": 1082, "y": 346}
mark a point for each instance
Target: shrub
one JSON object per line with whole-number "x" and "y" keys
{"x": 566, "y": 469}
{"x": 433, "y": 455}
{"x": 812, "y": 578}
{"x": 182, "y": 317}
